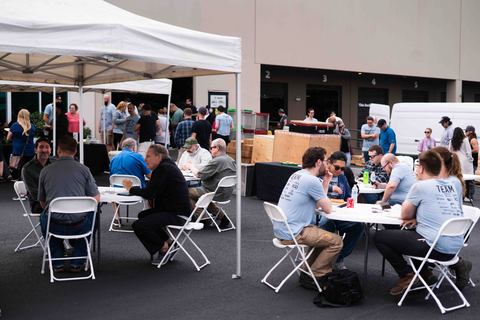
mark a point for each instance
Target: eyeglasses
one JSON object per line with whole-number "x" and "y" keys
{"x": 385, "y": 165}
{"x": 211, "y": 148}
{"x": 338, "y": 168}
{"x": 372, "y": 156}
{"x": 427, "y": 132}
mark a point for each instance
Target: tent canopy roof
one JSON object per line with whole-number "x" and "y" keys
{"x": 157, "y": 86}
{"x": 87, "y": 42}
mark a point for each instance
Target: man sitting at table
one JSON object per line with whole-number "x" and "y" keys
{"x": 401, "y": 180}
{"x": 219, "y": 167}
{"x": 338, "y": 188}
{"x": 195, "y": 155}
{"x": 31, "y": 172}
{"x": 302, "y": 194}
{"x": 130, "y": 162}
{"x": 168, "y": 194}
{"x": 430, "y": 202}
{"x": 66, "y": 178}
{"x": 373, "y": 165}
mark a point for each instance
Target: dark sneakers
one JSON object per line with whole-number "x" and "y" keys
{"x": 462, "y": 272}
{"x": 224, "y": 223}
{"x": 307, "y": 282}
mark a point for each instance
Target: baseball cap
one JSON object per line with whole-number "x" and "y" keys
{"x": 470, "y": 128}
{"x": 190, "y": 142}
{"x": 202, "y": 110}
{"x": 381, "y": 122}
{"x": 444, "y": 119}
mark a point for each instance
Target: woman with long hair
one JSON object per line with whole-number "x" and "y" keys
{"x": 472, "y": 139}
{"x": 119, "y": 120}
{"x": 22, "y": 133}
{"x": 74, "y": 121}
{"x": 460, "y": 145}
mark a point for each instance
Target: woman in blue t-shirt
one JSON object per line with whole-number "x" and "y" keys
{"x": 22, "y": 133}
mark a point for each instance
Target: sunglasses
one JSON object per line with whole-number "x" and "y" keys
{"x": 427, "y": 132}
{"x": 340, "y": 127}
{"x": 373, "y": 156}
{"x": 338, "y": 168}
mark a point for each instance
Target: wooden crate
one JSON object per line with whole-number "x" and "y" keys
{"x": 247, "y": 147}
{"x": 246, "y": 160}
{"x": 246, "y": 154}
{"x": 262, "y": 148}
{"x": 290, "y": 146}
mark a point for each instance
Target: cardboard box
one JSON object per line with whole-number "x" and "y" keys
{"x": 262, "y": 148}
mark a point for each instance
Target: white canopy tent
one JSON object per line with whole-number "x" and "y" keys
{"x": 88, "y": 42}
{"x": 155, "y": 86}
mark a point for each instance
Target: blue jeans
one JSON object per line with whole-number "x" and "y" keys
{"x": 365, "y": 156}
{"x": 56, "y": 245}
{"x": 349, "y": 158}
{"x": 353, "y": 233}
{"x": 370, "y": 198}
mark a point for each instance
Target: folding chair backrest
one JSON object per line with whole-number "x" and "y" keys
{"x": 227, "y": 182}
{"x": 275, "y": 213}
{"x": 20, "y": 188}
{"x": 472, "y": 213}
{"x": 116, "y": 180}
{"x": 455, "y": 227}
{"x": 204, "y": 201}
{"x": 71, "y": 205}
{"x": 407, "y": 159}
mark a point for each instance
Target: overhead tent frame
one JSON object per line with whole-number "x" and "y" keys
{"x": 155, "y": 86}
{"x": 88, "y": 42}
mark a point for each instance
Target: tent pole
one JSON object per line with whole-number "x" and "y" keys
{"x": 167, "y": 132}
{"x": 54, "y": 111}
{"x": 104, "y": 115}
{"x": 239, "y": 175}
{"x": 80, "y": 120}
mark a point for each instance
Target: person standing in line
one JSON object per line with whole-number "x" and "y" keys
{"x": 428, "y": 142}
{"x": 107, "y": 112}
{"x": 162, "y": 137}
{"x": 345, "y": 141}
{"x": 119, "y": 121}
{"x": 21, "y": 134}
{"x": 283, "y": 119}
{"x": 202, "y": 130}
{"x": 74, "y": 121}
{"x": 369, "y": 134}
{"x": 146, "y": 127}
{"x": 447, "y": 134}
{"x": 388, "y": 140}
{"x": 460, "y": 145}
{"x": 177, "y": 117}
{"x": 223, "y": 124}
{"x": 310, "y": 114}
{"x": 184, "y": 131}
{"x": 48, "y": 112}
{"x": 472, "y": 138}
{"x": 130, "y": 123}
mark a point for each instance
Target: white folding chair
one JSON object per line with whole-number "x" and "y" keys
{"x": 184, "y": 233}
{"x": 407, "y": 159}
{"x": 21, "y": 191}
{"x": 226, "y": 182}
{"x": 450, "y": 228}
{"x": 116, "y": 181}
{"x": 70, "y": 205}
{"x": 275, "y": 213}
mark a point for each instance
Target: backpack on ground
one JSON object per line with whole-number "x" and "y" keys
{"x": 340, "y": 288}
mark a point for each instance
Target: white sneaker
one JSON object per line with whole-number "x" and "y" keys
{"x": 339, "y": 266}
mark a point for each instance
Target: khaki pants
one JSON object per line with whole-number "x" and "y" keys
{"x": 326, "y": 246}
{"x": 194, "y": 196}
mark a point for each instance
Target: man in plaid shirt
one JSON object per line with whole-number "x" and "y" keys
{"x": 184, "y": 131}
{"x": 373, "y": 165}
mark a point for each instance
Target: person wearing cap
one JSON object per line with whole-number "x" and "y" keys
{"x": 447, "y": 134}
{"x": 283, "y": 119}
{"x": 202, "y": 129}
{"x": 388, "y": 140}
{"x": 48, "y": 113}
{"x": 147, "y": 129}
{"x": 219, "y": 167}
{"x": 195, "y": 154}
{"x": 184, "y": 130}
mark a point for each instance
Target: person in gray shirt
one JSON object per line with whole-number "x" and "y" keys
{"x": 130, "y": 123}
{"x": 219, "y": 167}
{"x": 447, "y": 134}
{"x": 66, "y": 178}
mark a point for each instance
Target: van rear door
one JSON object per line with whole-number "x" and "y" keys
{"x": 380, "y": 111}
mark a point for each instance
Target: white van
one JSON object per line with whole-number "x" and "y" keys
{"x": 409, "y": 121}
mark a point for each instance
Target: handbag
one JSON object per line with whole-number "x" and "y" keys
{"x": 16, "y": 160}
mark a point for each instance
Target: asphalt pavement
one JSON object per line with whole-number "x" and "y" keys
{"x": 129, "y": 287}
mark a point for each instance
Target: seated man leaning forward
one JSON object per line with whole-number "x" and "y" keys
{"x": 373, "y": 165}
{"x": 339, "y": 189}
{"x": 402, "y": 179}
{"x": 195, "y": 155}
{"x": 219, "y": 167}
{"x": 168, "y": 194}
{"x": 302, "y": 194}
{"x": 430, "y": 202}
{"x": 66, "y": 178}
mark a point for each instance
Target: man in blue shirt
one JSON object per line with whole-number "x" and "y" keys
{"x": 48, "y": 112}
{"x": 388, "y": 140}
{"x": 130, "y": 162}
{"x": 430, "y": 202}
{"x": 339, "y": 189}
{"x": 302, "y": 194}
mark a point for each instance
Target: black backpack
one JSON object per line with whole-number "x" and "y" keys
{"x": 339, "y": 289}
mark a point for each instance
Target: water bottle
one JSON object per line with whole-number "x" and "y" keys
{"x": 355, "y": 193}
{"x": 365, "y": 177}
{"x": 372, "y": 177}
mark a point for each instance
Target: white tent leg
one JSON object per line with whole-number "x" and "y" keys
{"x": 80, "y": 119}
{"x": 239, "y": 175}
{"x": 54, "y": 111}
{"x": 167, "y": 133}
